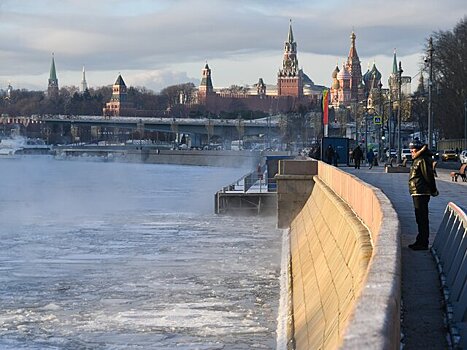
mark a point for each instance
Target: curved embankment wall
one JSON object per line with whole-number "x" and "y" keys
{"x": 345, "y": 265}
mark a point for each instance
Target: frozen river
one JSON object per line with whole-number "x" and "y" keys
{"x": 131, "y": 256}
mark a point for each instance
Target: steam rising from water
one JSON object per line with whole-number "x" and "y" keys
{"x": 130, "y": 256}
{"x": 44, "y": 188}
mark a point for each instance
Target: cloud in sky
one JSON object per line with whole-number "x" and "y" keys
{"x": 155, "y": 43}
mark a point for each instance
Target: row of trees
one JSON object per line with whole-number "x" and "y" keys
{"x": 450, "y": 80}
{"x": 449, "y": 88}
{"x": 91, "y": 102}
{"x": 449, "y": 84}
{"x": 70, "y": 101}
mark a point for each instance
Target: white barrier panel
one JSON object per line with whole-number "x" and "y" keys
{"x": 450, "y": 251}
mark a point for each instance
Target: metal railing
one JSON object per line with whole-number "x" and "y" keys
{"x": 450, "y": 252}
{"x": 254, "y": 181}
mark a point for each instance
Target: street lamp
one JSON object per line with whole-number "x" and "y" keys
{"x": 380, "y": 107}
{"x": 399, "y": 140}
{"x": 366, "y": 131}
{"x": 369, "y": 113}
{"x": 355, "y": 110}
{"x": 390, "y": 139}
{"x": 465, "y": 124}
{"x": 430, "y": 88}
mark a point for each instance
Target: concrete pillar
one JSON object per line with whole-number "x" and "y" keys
{"x": 294, "y": 186}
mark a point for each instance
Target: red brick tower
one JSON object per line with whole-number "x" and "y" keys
{"x": 118, "y": 104}
{"x": 205, "y": 87}
{"x": 290, "y": 77}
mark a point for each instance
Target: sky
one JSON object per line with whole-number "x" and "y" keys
{"x": 157, "y": 43}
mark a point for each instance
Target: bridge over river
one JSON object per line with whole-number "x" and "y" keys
{"x": 83, "y": 127}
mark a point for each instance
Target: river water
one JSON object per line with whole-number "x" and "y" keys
{"x": 130, "y": 256}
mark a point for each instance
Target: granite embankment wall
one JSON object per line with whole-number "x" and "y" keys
{"x": 248, "y": 159}
{"x": 146, "y": 154}
{"x": 345, "y": 262}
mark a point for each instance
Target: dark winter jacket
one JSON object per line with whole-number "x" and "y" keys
{"x": 421, "y": 177}
{"x": 357, "y": 153}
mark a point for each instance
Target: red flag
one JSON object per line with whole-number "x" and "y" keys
{"x": 325, "y": 107}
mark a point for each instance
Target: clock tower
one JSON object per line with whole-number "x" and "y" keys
{"x": 290, "y": 76}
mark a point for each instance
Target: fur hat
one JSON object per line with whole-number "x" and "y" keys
{"x": 417, "y": 144}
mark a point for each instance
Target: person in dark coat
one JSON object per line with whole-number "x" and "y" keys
{"x": 357, "y": 156}
{"x": 422, "y": 185}
{"x": 370, "y": 157}
{"x": 336, "y": 158}
{"x": 329, "y": 154}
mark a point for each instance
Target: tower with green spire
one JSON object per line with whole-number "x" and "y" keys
{"x": 393, "y": 79}
{"x": 52, "y": 88}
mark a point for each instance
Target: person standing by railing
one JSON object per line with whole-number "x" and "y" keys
{"x": 422, "y": 185}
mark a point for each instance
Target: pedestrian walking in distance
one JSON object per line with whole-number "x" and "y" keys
{"x": 329, "y": 154}
{"x": 357, "y": 156}
{"x": 422, "y": 185}
{"x": 370, "y": 157}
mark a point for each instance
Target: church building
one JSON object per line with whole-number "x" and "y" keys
{"x": 347, "y": 86}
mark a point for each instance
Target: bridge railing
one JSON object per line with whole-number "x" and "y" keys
{"x": 450, "y": 252}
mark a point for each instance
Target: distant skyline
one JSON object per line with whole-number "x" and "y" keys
{"x": 157, "y": 43}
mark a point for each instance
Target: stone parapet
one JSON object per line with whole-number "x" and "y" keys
{"x": 345, "y": 260}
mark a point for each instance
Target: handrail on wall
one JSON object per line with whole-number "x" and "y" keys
{"x": 450, "y": 252}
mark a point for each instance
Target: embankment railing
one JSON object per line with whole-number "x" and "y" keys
{"x": 258, "y": 178}
{"x": 450, "y": 252}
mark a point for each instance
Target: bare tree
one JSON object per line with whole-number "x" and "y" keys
{"x": 450, "y": 76}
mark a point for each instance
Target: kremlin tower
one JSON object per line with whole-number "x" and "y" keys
{"x": 118, "y": 104}
{"x": 84, "y": 85}
{"x": 52, "y": 88}
{"x": 205, "y": 87}
{"x": 290, "y": 77}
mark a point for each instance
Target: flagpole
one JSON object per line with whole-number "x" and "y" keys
{"x": 325, "y": 112}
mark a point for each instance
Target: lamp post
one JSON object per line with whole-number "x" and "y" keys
{"x": 399, "y": 140}
{"x": 430, "y": 88}
{"x": 390, "y": 145}
{"x": 369, "y": 114}
{"x": 465, "y": 124}
{"x": 380, "y": 107}
{"x": 355, "y": 105}
{"x": 366, "y": 132}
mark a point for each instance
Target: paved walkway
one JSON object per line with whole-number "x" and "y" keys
{"x": 422, "y": 309}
